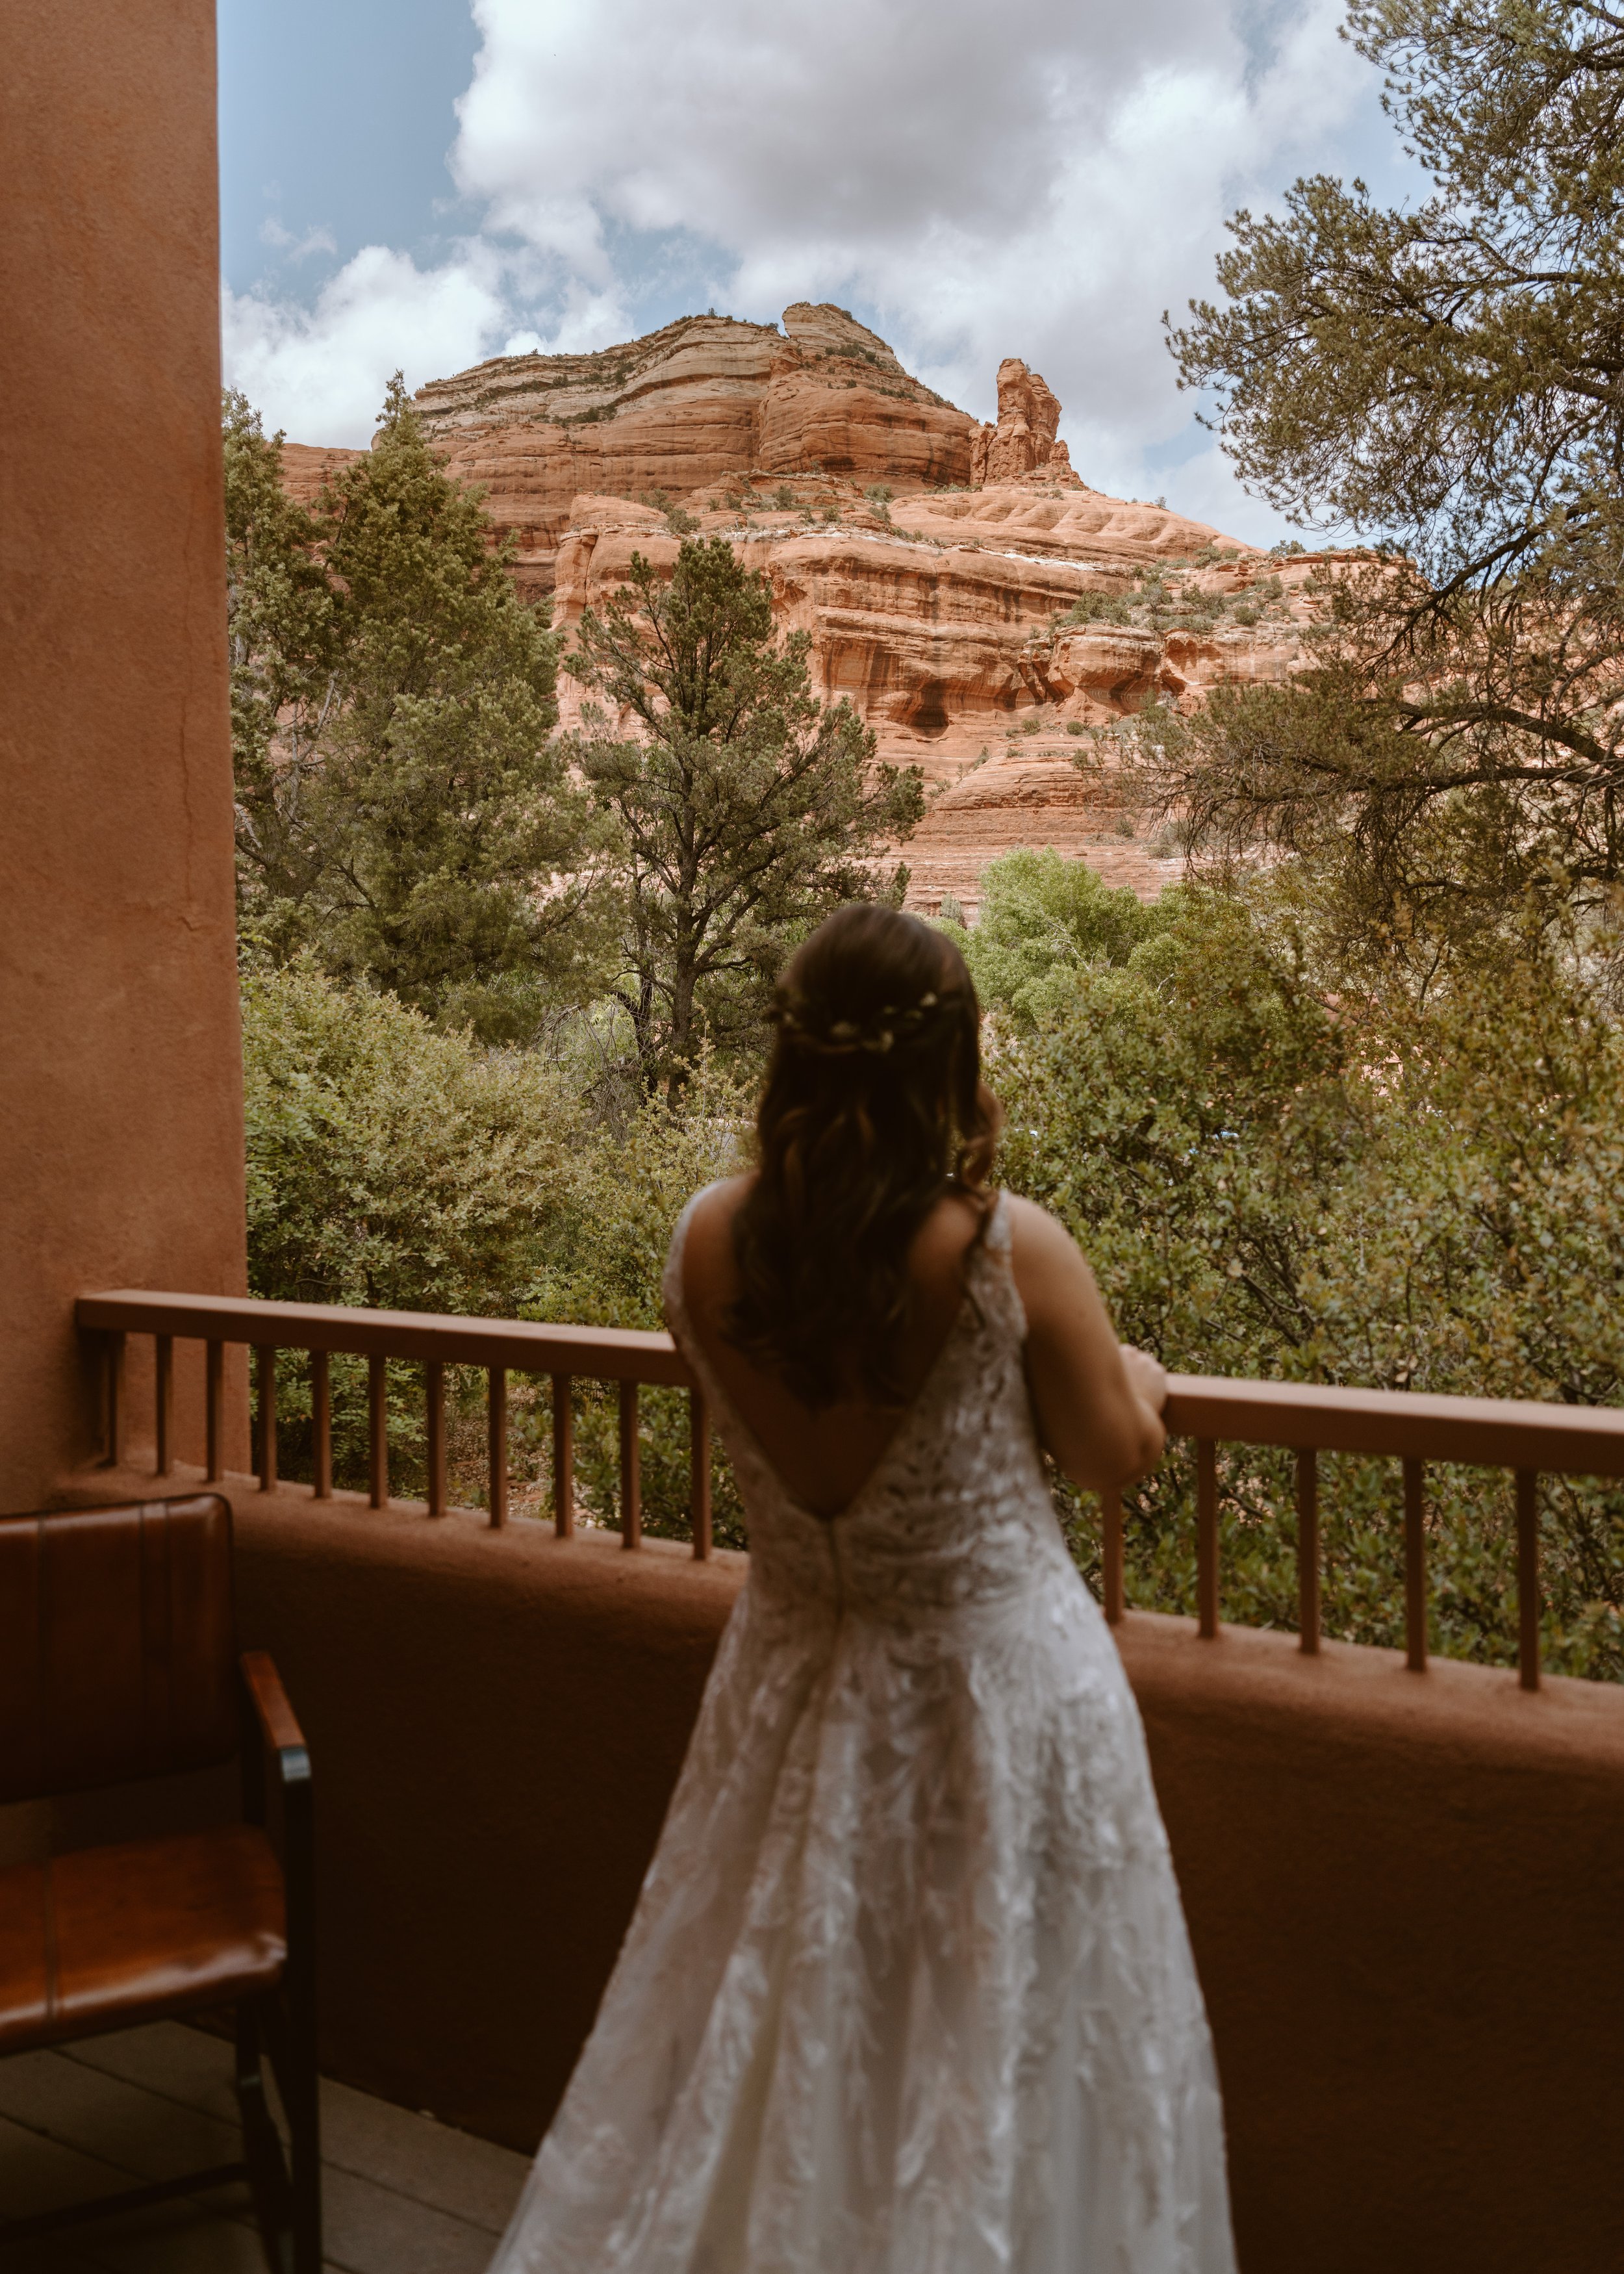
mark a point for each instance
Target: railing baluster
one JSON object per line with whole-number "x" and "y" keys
{"x": 266, "y": 1355}
{"x": 113, "y": 1397}
{"x": 213, "y": 1409}
{"x": 1527, "y": 1578}
{"x": 1308, "y": 1550}
{"x": 563, "y": 1458}
{"x": 1415, "y": 1566}
{"x": 496, "y": 1395}
{"x": 321, "y": 1420}
{"x": 434, "y": 1396}
{"x": 164, "y": 1368}
{"x": 1207, "y": 1536}
{"x": 1110, "y": 1553}
{"x": 378, "y": 1430}
{"x": 699, "y": 1470}
{"x": 631, "y": 1477}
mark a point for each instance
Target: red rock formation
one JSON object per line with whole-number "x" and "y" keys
{"x": 1024, "y": 440}
{"x": 1031, "y": 793}
{"x": 943, "y": 616}
{"x": 306, "y": 471}
{"x": 691, "y": 411}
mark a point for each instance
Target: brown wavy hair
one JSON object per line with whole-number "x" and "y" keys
{"x": 874, "y": 1107}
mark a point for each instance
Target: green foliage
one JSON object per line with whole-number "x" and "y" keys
{"x": 1364, "y": 1187}
{"x": 394, "y": 1166}
{"x": 1365, "y": 1190}
{"x": 1045, "y": 920}
{"x": 1446, "y": 380}
{"x": 604, "y": 1268}
{"x": 1095, "y": 608}
{"x": 390, "y": 1164}
{"x": 282, "y": 614}
{"x": 748, "y": 810}
{"x": 401, "y": 811}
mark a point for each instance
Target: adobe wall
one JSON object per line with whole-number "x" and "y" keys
{"x": 1404, "y": 1892}
{"x": 121, "y": 1096}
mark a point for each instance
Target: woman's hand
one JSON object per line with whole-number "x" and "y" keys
{"x": 1147, "y": 1377}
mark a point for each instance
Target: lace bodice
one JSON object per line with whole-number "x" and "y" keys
{"x": 908, "y": 1989}
{"x": 956, "y": 1512}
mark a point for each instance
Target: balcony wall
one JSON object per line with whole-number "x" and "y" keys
{"x": 121, "y": 1104}
{"x": 1404, "y": 1890}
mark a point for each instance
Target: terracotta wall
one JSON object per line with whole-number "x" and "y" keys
{"x": 1404, "y": 1891}
{"x": 120, "y": 1093}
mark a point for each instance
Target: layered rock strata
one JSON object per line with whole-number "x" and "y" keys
{"x": 690, "y": 410}
{"x": 945, "y": 573}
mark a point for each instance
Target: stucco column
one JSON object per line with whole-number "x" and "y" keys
{"x": 121, "y": 1139}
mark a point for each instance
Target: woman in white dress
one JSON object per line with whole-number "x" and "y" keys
{"x": 908, "y": 1989}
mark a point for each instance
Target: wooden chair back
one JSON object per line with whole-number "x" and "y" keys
{"x": 116, "y": 1651}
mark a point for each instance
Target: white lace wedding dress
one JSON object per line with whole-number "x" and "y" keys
{"x": 908, "y": 1989}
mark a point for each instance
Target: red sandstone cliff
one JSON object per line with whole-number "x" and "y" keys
{"x": 942, "y": 614}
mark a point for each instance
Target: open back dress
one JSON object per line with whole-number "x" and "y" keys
{"x": 908, "y": 1988}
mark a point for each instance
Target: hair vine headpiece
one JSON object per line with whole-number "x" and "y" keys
{"x": 840, "y": 1038}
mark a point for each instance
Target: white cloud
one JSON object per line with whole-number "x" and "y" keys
{"x": 320, "y": 371}
{"x": 1041, "y": 182}
{"x": 318, "y": 238}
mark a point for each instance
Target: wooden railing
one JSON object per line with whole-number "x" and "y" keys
{"x": 1396, "y": 1423}
{"x": 500, "y": 1346}
{"x": 1528, "y": 1440}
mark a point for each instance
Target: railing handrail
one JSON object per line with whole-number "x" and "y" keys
{"x": 527, "y": 1346}
{"x": 1413, "y": 1426}
{"x": 1404, "y": 1424}
{"x": 1491, "y": 1433}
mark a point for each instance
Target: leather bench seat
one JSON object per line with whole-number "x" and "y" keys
{"x": 108, "y": 1937}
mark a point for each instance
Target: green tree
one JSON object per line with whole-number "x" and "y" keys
{"x": 1042, "y": 919}
{"x": 390, "y": 1164}
{"x": 402, "y": 809}
{"x": 281, "y": 618}
{"x": 747, "y": 808}
{"x": 1447, "y": 381}
{"x": 393, "y": 1164}
{"x": 1370, "y": 1190}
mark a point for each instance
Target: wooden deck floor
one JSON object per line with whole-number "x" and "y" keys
{"x": 403, "y": 2193}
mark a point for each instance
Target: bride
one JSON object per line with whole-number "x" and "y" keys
{"x": 908, "y": 1989}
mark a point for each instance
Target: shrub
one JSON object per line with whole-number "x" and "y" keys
{"x": 394, "y": 1166}
{"x": 1271, "y": 1183}
{"x": 1042, "y": 920}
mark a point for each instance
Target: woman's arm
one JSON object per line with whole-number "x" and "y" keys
{"x": 1098, "y": 1403}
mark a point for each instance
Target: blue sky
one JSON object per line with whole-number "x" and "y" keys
{"x": 420, "y": 184}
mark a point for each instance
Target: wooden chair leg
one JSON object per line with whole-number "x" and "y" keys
{"x": 267, "y": 2175}
{"x": 303, "y": 2104}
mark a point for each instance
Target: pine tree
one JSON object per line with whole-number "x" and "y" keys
{"x": 1445, "y": 380}
{"x": 404, "y": 812}
{"x": 748, "y": 807}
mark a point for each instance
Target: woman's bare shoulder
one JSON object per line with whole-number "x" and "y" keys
{"x": 1051, "y": 1271}
{"x": 1037, "y": 1236}
{"x": 708, "y": 1247}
